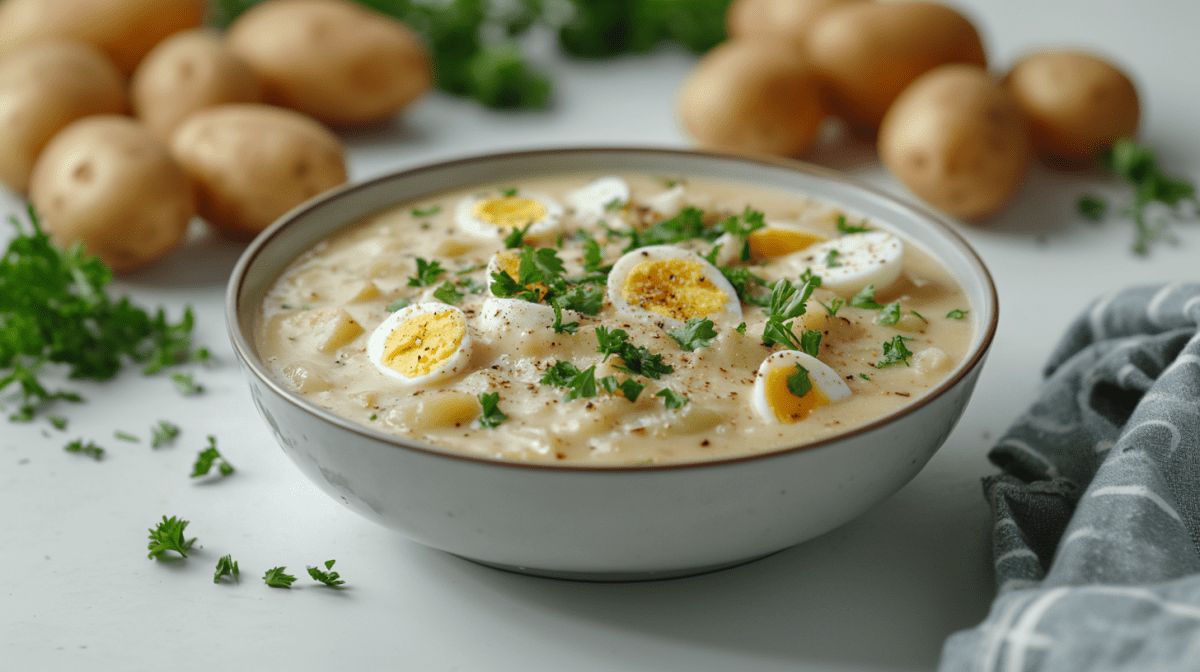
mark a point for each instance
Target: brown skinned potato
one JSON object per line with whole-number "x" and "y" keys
{"x": 1076, "y": 104}
{"x": 43, "y": 88}
{"x": 870, "y": 51}
{"x": 106, "y": 182}
{"x": 782, "y": 18}
{"x": 333, "y": 59}
{"x": 958, "y": 140}
{"x": 189, "y": 71}
{"x": 254, "y": 162}
{"x": 758, "y": 95}
{"x": 124, "y": 29}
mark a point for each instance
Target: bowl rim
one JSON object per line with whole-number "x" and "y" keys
{"x": 254, "y": 366}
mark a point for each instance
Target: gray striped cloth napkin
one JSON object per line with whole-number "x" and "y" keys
{"x": 1097, "y": 514}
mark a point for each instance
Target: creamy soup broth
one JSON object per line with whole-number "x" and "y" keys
{"x": 317, "y": 319}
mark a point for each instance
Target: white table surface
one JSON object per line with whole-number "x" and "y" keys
{"x": 882, "y": 592}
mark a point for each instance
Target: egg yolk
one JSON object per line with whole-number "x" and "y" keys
{"x": 424, "y": 342}
{"x": 789, "y": 408}
{"x": 675, "y": 288}
{"x": 770, "y": 243}
{"x": 510, "y": 211}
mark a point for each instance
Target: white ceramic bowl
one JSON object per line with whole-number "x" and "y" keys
{"x": 614, "y": 523}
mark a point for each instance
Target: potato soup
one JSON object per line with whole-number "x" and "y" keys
{"x": 614, "y": 320}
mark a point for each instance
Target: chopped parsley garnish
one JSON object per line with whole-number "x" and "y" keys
{"x": 186, "y": 384}
{"x": 1092, "y": 208}
{"x": 471, "y": 285}
{"x": 470, "y": 269}
{"x": 581, "y": 384}
{"x": 746, "y": 284}
{"x": 227, "y": 566}
{"x": 398, "y": 304}
{"x": 59, "y": 422}
{"x": 810, "y": 342}
{"x": 833, "y": 307}
{"x": 168, "y": 536}
{"x": 831, "y": 259}
{"x": 516, "y": 237}
{"x": 329, "y": 578}
{"x": 690, "y": 224}
{"x": 427, "y": 212}
{"x": 787, "y": 303}
{"x": 163, "y": 434}
{"x": 919, "y": 316}
{"x": 696, "y": 333}
{"x": 277, "y": 577}
{"x": 615, "y": 204}
{"x": 671, "y": 399}
{"x": 448, "y": 294}
{"x": 492, "y": 415}
{"x": 864, "y": 376}
{"x": 637, "y": 359}
{"x": 847, "y": 229}
{"x": 799, "y": 383}
{"x": 866, "y": 299}
{"x": 559, "y": 327}
{"x": 508, "y": 192}
{"x": 90, "y": 449}
{"x": 629, "y": 387}
{"x": 1136, "y": 164}
{"x": 125, "y": 436}
{"x": 957, "y": 314}
{"x": 427, "y": 273}
{"x": 889, "y": 314}
{"x": 744, "y": 224}
{"x": 209, "y": 456}
{"x": 741, "y": 328}
{"x": 54, "y": 308}
{"x": 582, "y": 299}
{"x": 593, "y": 256}
{"x": 895, "y": 352}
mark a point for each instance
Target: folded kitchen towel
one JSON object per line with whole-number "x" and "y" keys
{"x": 1097, "y": 512}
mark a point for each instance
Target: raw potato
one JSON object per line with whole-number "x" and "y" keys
{"x": 334, "y": 59}
{"x": 870, "y": 51}
{"x": 124, "y": 29}
{"x": 43, "y": 88}
{"x": 751, "y": 96}
{"x": 789, "y": 19}
{"x": 105, "y": 181}
{"x": 958, "y": 140}
{"x": 254, "y": 162}
{"x": 189, "y": 71}
{"x": 1076, "y": 104}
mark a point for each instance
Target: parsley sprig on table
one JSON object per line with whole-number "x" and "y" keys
{"x": 208, "y": 457}
{"x": 90, "y": 449}
{"x": 329, "y": 578}
{"x": 54, "y": 310}
{"x": 277, "y": 577}
{"x": 168, "y": 536}
{"x": 227, "y": 566}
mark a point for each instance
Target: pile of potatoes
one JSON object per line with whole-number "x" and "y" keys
{"x": 123, "y": 119}
{"x": 914, "y": 76}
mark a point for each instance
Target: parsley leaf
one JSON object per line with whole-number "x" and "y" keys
{"x": 957, "y": 314}
{"x": 427, "y": 212}
{"x": 697, "y": 332}
{"x": 59, "y": 422}
{"x": 1136, "y": 164}
{"x": 186, "y": 384}
{"x": 206, "y": 459}
{"x": 741, "y": 328}
{"x": 90, "y": 449}
{"x": 637, "y": 359}
{"x": 671, "y": 399}
{"x": 168, "y": 536}
{"x": 516, "y": 237}
{"x": 427, "y": 273}
{"x": 559, "y": 327}
{"x": 125, "y": 436}
{"x": 745, "y": 283}
{"x": 398, "y": 304}
{"x": 582, "y": 299}
{"x": 593, "y": 257}
{"x": 787, "y": 303}
{"x": 847, "y": 229}
{"x": 799, "y": 383}
{"x": 831, "y": 259}
{"x": 744, "y": 224}
{"x": 329, "y": 578}
{"x": 895, "y": 352}
{"x": 919, "y": 316}
{"x": 866, "y": 299}
{"x": 276, "y": 577}
{"x": 582, "y": 384}
{"x": 629, "y": 387}
{"x": 810, "y": 342}
{"x": 448, "y": 294}
{"x": 163, "y": 434}
{"x": 864, "y": 376}
{"x": 492, "y": 415}
{"x": 508, "y": 192}
{"x": 227, "y": 566}
{"x": 834, "y": 306}
{"x": 889, "y": 314}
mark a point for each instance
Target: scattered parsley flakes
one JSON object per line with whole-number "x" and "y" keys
{"x": 559, "y": 327}
{"x": 581, "y": 384}
{"x": 90, "y": 449}
{"x": 831, "y": 259}
{"x": 427, "y": 273}
{"x": 516, "y": 237}
{"x": 329, "y": 578}
{"x": 957, "y": 314}
{"x": 508, "y": 192}
{"x": 799, "y": 383}
{"x": 864, "y": 376}
{"x": 741, "y": 328}
{"x": 427, "y": 212}
{"x": 206, "y": 459}
{"x": 492, "y": 415}
{"x": 895, "y": 352}
{"x": 448, "y": 294}
{"x": 227, "y": 566}
{"x": 919, "y": 316}
{"x": 671, "y": 399}
{"x": 847, "y": 229}
{"x": 168, "y": 536}
{"x": 833, "y": 307}
{"x": 59, "y": 422}
{"x": 582, "y": 299}
{"x": 398, "y": 304}
{"x": 889, "y": 314}
{"x": 276, "y": 577}
{"x": 125, "y": 436}
{"x": 629, "y": 387}
{"x": 696, "y": 333}
{"x": 163, "y": 434}
{"x": 866, "y": 299}
{"x": 186, "y": 384}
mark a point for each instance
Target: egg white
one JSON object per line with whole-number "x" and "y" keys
{"x": 729, "y": 313}
{"x": 545, "y": 227}
{"x": 822, "y": 377}
{"x": 591, "y": 202}
{"x": 872, "y": 258}
{"x": 450, "y": 366}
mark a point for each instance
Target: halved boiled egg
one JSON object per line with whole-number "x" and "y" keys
{"x": 495, "y": 215}
{"x": 661, "y": 283}
{"x": 777, "y": 401}
{"x": 776, "y": 239}
{"x": 509, "y": 262}
{"x": 498, "y": 316}
{"x": 850, "y": 263}
{"x": 592, "y": 201}
{"x": 423, "y": 343}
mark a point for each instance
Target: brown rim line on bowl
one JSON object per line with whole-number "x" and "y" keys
{"x": 612, "y": 522}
